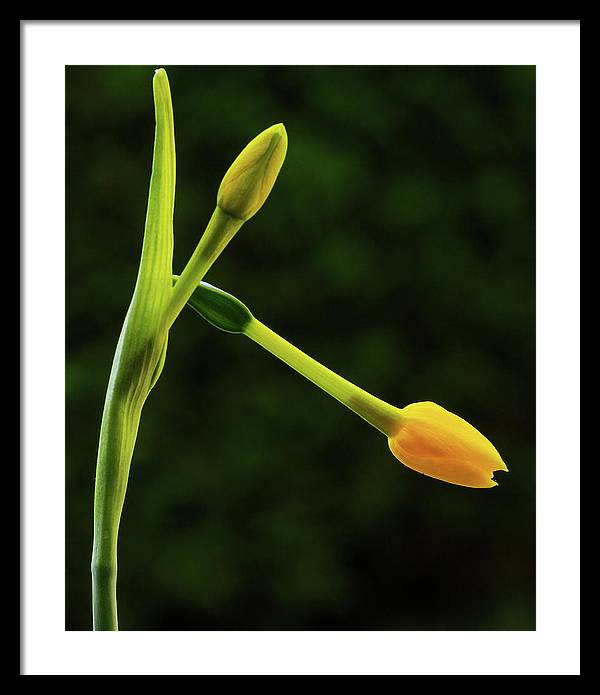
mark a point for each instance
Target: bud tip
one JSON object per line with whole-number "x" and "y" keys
{"x": 250, "y": 178}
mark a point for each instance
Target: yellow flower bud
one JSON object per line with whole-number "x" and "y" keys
{"x": 437, "y": 443}
{"x": 423, "y": 436}
{"x": 250, "y": 178}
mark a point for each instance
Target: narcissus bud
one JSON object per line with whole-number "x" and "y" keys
{"x": 437, "y": 443}
{"x": 243, "y": 190}
{"x": 423, "y": 436}
{"x": 250, "y": 178}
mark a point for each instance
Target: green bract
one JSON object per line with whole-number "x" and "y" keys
{"x": 220, "y": 308}
{"x": 156, "y": 303}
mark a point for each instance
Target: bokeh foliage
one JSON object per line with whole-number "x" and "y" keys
{"x": 397, "y": 247}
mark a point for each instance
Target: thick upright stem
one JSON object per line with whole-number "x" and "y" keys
{"x": 104, "y": 594}
{"x": 118, "y": 434}
{"x": 137, "y": 362}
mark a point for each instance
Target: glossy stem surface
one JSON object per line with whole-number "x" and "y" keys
{"x": 378, "y": 413}
{"x": 221, "y": 228}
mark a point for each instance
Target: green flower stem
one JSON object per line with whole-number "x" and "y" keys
{"x": 221, "y": 228}
{"x": 381, "y": 415}
{"x": 117, "y": 441}
{"x": 227, "y": 313}
{"x": 137, "y": 362}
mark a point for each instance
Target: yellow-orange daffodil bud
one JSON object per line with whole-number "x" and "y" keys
{"x": 423, "y": 436}
{"x": 440, "y": 444}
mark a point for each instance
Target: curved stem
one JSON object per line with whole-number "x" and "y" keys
{"x": 381, "y": 415}
{"x": 219, "y": 232}
{"x": 137, "y": 361}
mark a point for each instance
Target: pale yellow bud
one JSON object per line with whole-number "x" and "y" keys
{"x": 250, "y": 178}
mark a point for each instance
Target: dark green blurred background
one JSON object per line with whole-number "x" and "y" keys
{"x": 397, "y": 247}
